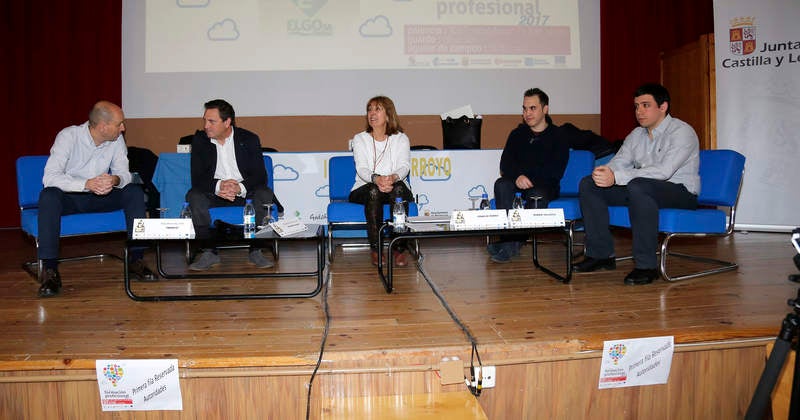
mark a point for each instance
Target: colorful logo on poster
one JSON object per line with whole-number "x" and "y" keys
{"x": 743, "y": 35}
{"x": 616, "y": 352}
{"x": 113, "y": 373}
{"x": 308, "y": 26}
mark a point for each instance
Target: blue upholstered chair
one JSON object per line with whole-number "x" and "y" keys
{"x": 342, "y": 214}
{"x": 721, "y": 175}
{"x": 233, "y": 215}
{"x": 30, "y": 170}
{"x": 580, "y": 164}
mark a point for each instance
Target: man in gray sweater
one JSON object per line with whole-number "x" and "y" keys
{"x": 656, "y": 167}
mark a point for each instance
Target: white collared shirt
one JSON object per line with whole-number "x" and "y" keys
{"x": 226, "y": 164}
{"x": 75, "y": 158}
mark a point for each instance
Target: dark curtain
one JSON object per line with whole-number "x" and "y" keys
{"x": 633, "y": 33}
{"x": 59, "y": 59}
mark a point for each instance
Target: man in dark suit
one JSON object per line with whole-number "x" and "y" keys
{"x": 227, "y": 168}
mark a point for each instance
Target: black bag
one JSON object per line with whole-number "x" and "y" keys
{"x": 588, "y": 140}
{"x": 461, "y": 133}
{"x": 143, "y": 162}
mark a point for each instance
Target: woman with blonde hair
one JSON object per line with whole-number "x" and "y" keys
{"x": 382, "y": 154}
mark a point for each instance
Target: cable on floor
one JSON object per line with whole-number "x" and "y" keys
{"x": 325, "y": 329}
{"x": 473, "y": 384}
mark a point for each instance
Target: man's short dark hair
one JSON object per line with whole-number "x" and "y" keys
{"x": 225, "y": 109}
{"x": 544, "y": 100}
{"x": 659, "y": 93}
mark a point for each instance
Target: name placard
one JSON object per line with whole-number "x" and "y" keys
{"x": 636, "y": 362}
{"x": 478, "y": 219}
{"x": 288, "y": 226}
{"x": 533, "y": 218}
{"x": 139, "y": 384}
{"x": 163, "y": 229}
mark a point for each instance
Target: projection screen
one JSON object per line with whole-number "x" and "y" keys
{"x": 325, "y": 57}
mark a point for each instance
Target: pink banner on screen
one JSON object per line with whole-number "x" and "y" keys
{"x": 481, "y": 39}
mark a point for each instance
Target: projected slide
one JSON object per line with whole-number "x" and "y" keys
{"x": 265, "y": 35}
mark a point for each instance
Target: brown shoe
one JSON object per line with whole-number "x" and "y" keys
{"x": 400, "y": 259}
{"x": 375, "y": 258}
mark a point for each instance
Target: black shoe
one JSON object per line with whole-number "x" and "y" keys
{"x": 139, "y": 269}
{"x": 51, "y": 283}
{"x": 590, "y": 264}
{"x": 493, "y": 248}
{"x": 641, "y": 276}
{"x": 512, "y": 248}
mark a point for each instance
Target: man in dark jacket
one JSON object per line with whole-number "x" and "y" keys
{"x": 532, "y": 163}
{"x": 227, "y": 168}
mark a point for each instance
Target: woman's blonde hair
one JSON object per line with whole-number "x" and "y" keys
{"x": 392, "y": 120}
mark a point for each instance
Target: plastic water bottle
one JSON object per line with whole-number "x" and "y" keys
{"x": 249, "y": 219}
{"x": 399, "y": 214}
{"x": 517, "y": 203}
{"x": 186, "y": 212}
{"x": 484, "y": 202}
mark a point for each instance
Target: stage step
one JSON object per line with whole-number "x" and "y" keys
{"x": 444, "y": 406}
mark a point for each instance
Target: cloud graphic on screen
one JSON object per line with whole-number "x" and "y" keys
{"x": 323, "y": 191}
{"x": 192, "y": 3}
{"x": 476, "y": 191}
{"x": 434, "y": 178}
{"x": 223, "y": 31}
{"x": 376, "y": 27}
{"x": 422, "y": 200}
{"x": 284, "y": 173}
{"x": 430, "y": 168}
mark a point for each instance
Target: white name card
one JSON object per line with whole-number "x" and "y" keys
{"x": 478, "y": 219}
{"x": 533, "y": 218}
{"x": 163, "y": 229}
{"x": 288, "y": 226}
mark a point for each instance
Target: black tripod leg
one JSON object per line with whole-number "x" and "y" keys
{"x": 769, "y": 377}
{"x": 794, "y": 402}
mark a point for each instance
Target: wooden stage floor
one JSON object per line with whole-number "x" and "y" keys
{"x": 502, "y": 304}
{"x": 513, "y": 310}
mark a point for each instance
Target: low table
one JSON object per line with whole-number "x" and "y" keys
{"x": 314, "y": 233}
{"x": 387, "y": 233}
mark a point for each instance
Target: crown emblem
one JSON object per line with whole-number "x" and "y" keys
{"x": 743, "y": 21}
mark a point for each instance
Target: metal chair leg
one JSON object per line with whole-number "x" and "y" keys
{"x": 723, "y": 266}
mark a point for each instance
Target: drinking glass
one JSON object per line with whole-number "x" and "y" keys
{"x": 474, "y": 200}
{"x": 267, "y": 215}
{"x": 162, "y": 212}
{"x": 535, "y": 200}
